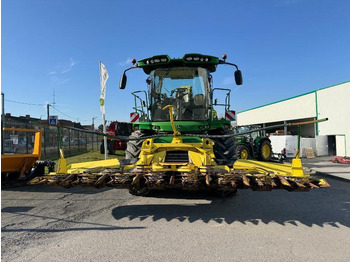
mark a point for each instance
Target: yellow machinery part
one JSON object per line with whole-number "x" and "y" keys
{"x": 196, "y": 171}
{"x": 22, "y": 163}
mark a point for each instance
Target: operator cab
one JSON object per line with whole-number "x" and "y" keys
{"x": 186, "y": 88}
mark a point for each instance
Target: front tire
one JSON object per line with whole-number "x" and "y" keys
{"x": 243, "y": 152}
{"x": 224, "y": 149}
{"x": 133, "y": 147}
{"x": 142, "y": 191}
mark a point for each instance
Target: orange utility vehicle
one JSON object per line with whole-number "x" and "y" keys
{"x": 19, "y": 166}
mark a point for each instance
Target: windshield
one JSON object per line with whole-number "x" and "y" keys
{"x": 186, "y": 88}
{"x": 242, "y": 129}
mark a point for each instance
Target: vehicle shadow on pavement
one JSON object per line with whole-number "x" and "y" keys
{"x": 56, "y": 230}
{"x": 319, "y": 207}
{"x": 59, "y": 223}
{"x": 57, "y": 189}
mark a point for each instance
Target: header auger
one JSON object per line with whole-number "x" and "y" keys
{"x": 186, "y": 146}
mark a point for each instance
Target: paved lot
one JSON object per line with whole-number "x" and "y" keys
{"x": 325, "y": 166}
{"x": 51, "y": 224}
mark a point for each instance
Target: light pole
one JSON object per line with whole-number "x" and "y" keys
{"x": 48, "y": 112}
{"x": 93, "y": 123}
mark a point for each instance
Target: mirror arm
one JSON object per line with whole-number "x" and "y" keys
{"x": 226, "y": 63}
{"x": 133, "y": 67}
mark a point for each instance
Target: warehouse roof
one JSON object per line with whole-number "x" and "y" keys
{"x": 293, "y": 97}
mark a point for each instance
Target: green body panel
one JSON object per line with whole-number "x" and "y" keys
{"x": 184, "y": 126}
{"x": 240, "y": 139}
{"x": 258, "y": 140}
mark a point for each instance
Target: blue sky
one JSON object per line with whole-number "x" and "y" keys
{"x": 283, "y": 47}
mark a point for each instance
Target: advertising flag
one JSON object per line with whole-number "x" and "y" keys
{"x": 103, "y": 80}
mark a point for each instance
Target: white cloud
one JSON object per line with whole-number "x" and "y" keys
{"x": 64, "y": 67}
{"x": 127, "y": 61}
{"x": 57, "y": 75}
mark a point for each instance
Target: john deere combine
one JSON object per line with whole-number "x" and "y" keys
{"x": 180, "y": 142}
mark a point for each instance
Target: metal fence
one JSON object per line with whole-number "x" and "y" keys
{"x": 73, "y": 141}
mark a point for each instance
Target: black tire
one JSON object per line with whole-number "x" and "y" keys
{"x": 224, "y": 149}
{"x": 133, "y": 147}
{"x": 102, "y": 148}
{"x": 142, "y": 191}
{"x": 243, "y": 152}
{"x": 265, "y": 150}
{"x": 132, "y": 152}
{"x": 111, "y": 147}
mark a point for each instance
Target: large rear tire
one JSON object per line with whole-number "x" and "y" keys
{"x": 265, "y": 151}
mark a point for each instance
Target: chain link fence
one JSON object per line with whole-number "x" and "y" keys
{"x": 73, "y": 142}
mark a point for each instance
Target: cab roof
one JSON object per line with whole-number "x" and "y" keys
{"x": 190, "y": 60}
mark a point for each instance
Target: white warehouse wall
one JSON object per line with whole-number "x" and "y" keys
{"x": 331, "y": 102}
{"x": 303, "y": 106}
{"x": 334, "y": 103}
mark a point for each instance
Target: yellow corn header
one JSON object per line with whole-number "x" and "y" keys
{"x": 186, "y": 165}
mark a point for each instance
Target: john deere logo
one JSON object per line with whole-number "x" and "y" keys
{"x": 102, "y": 102}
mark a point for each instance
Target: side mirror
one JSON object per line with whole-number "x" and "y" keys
{"x": 238, "y": 77}
{"x": 215, "y": 101}
{"x": 122, "y": 82}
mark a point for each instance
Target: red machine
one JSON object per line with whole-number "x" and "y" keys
{"x": 340, "y": 159}
{"x": 116, "y": 128}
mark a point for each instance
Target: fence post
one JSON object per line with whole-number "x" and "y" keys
{"x": 2, "y": 121}
{"x": 45, "y": 142}
{"x": 70, "y": 153}
{"x": 79, "y": 141}
{"x": 58, "y": 141}
{"x": 27, "y": 149}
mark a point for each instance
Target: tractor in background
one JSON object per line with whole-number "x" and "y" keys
{"x": 252, "y": 145}
{"x": 114, "y": 129}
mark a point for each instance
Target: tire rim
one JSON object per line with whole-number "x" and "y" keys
{"x": 266, "y": 151}
{"x": 244, "y": 154}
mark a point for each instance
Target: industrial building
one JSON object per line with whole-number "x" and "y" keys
{"x": 326, "y": 138}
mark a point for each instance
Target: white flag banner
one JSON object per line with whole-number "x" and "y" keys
{"x": 103, "y": 79}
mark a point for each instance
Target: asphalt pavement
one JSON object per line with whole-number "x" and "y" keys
{"x": 323, "y": 166}
{"x": 41, "y": 223}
